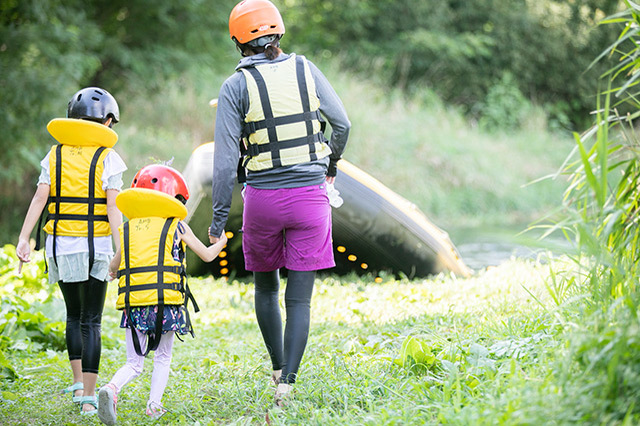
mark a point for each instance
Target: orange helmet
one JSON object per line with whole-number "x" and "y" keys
{"x": 164, "y": 179}
{"x": 252, "y": 19}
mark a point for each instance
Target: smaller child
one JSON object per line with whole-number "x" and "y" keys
{"x": 151, "y": 269}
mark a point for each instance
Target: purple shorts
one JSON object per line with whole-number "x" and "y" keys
{"x": 288, "y": 227}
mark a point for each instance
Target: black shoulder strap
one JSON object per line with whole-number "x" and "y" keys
{"x": 268, "y": 115}
{"x": 56, "y": 199}
{"x": 91, "y": 204}
{"x": 304, "y": 98}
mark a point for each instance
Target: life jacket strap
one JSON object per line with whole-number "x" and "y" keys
{"x": 144, "y": 287}
{"x": 155, "y": 268}
{"x": 253, "y": 126}
{"x": 253, "y": 150}
{"x": 70, "y": 216}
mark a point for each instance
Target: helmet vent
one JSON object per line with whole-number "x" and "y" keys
{"x": 98, "y": 92}
{"x": 154, "y": 180}
{"x": 254, "y": 31}
{"x": 95, "y": 99}
{"x": 79, "y": 97}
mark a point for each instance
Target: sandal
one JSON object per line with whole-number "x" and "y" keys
{"x": 107, "y": 402}
{"x": 72, "y": 390}
{"x": 91, "y": 400}
{"x": 155, "y": 411}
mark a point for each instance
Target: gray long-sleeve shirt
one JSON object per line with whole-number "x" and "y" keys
{"x": 233, "y": 105}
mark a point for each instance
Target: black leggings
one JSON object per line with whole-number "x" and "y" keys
{"x": 297, "y": 298}
{"x": 85, "y": 302}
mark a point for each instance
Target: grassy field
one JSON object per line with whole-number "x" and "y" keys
{"x": 483, "y": 350}
{"x": 492, "y": 349}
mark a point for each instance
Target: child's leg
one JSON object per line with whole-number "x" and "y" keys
{"x": 73, "y": 335}
{"x": 92, "y": 294}
{"x": 161, "y": 365}
{"x": 135, "y": 362}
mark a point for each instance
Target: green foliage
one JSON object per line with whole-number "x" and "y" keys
{"x": 32, "y": 279}
{"x": 457, "y": 48}
{"x": 505, "y": 107}
{"x": 26, "y": 307}
{"x": 601, "y": 218}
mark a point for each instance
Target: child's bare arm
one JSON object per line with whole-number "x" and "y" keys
{"x": 114, "y": 216}
{"x": 38, "y": 203}
{"x": 115, "y": 263}
{"x": 205, "y": 253}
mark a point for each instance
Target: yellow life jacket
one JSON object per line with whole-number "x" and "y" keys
{"x": 77, "y": 202}
{"x": 148, "y": 273}
{"x": 283, "y": 125}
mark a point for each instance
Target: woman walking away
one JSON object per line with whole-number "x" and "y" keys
{"x": 152, "y": 289}
{"x": 276, "y": 105}
{"x": 79, "y": 179}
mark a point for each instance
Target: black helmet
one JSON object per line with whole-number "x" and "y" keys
{"x": 95, "y": 104}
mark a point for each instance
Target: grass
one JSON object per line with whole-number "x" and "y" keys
{"x": 437, "y": 351}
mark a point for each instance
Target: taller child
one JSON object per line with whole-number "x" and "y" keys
{"x": 79, "y": 180}
{"x": 272, "y": 111}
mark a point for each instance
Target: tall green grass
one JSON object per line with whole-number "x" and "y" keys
{"x": 601, "y": 299}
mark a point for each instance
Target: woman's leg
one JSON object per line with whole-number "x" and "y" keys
{"x": 267, "y": 286}
{"x": 298, "y": 305}
{"x": 161, "y": 368}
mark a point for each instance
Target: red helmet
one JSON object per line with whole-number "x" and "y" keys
{"x": 164, "y": 179}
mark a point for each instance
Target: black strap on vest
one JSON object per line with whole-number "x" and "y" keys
{"x": 304, "y": 98}
{"x": 90, "y": 200}
{"x": 270, "y": 122}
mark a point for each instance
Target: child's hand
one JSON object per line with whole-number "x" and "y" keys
{"x": 23, "y": 251}
{"x": 223, "y": 237}
{"x": 113, "y": 270}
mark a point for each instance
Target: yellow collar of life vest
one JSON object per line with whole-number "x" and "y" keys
{"x": 72, "y": 131}
{"x": 142, "y": 202}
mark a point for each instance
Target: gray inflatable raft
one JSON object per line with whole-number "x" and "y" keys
{"x": 374, "y": 230}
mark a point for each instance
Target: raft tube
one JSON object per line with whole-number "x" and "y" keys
{"x": 374, "y": 230}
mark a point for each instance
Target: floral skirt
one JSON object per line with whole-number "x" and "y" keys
{"x": 143, "y": 319}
